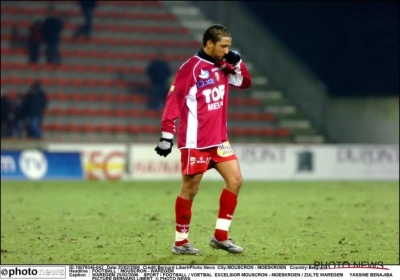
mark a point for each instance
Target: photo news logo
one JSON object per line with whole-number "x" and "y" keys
{"x": 33, "y": 272}
{"x": 349, "y": 264}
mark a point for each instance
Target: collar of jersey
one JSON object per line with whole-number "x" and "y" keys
{"x": 201, "y": 53}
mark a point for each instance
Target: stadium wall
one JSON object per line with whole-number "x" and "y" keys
{"x": 259, "y": 162}
{"x": 363, "y": 120}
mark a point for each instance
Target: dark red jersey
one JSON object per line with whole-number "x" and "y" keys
{"x": 198, "y": 97}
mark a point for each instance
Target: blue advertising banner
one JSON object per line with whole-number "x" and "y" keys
{"x": 40, "y": 165}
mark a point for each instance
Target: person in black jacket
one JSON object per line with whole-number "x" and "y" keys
{"x": 159, "y": 72}
{"x": 34, "y": 41}
{"x": 5, "y": 110}
{"x": 16, "y": 118}
{"x": 87, "y": 9}
{"x": 34, "y": 105}
{"x": 51, "y": 30}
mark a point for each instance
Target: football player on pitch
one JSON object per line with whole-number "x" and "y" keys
{"x": 199, "y": 98}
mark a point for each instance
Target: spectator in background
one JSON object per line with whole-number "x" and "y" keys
{"x": 16, "y": 118}
{"x": 34, "y": 106}
{"x": 87, "y": 9}
{"x": 51, "y": 31}
{"x": 159, "y": 72}
{"x": 5, "y": 110}
{"x": 35, "y": 39}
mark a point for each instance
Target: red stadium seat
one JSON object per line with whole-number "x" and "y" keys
{"x": 150, "y": 114}
{"x": 103, "y": 128}
{"x": 236, "y": 131}
{"x": 59, "y": 96}
{"x": 119, "y": 128}
{"x": 134, "y": 113}
{"x": 267, "y": 132}
{"x": 71, "y": 127}
{"x": 121, "y": 97}
{"x": 133, "y": 129}
{"x": 149, "y": 129}
{"x": 120, "y": 113}
{"x": 282, "y": 132}
{"x": 88, "y": 128}
{"x": 105, "y": 112}
{"x": 91, "y": 97}
{"x": 253, "y": 132}
{"x": 58, "y": 127}
{"x": 74, "y": 112}
{"x": 47, "y": 127}
{"x": 253, "y": 116}
{"x": 238, "y": 101}
{"x": 77, "y": 97}
{"x": 106, "y": 97}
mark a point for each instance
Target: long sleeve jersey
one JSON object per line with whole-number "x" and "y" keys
{"x": 198, "y": 97}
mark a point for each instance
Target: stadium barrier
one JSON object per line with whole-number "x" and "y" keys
{"x": 258, "y": 162}
{"x": 40, "y": 165}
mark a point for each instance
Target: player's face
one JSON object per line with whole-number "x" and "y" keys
{"x": 221, "y": 48}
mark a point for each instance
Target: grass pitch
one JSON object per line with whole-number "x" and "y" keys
{"x": 133, "y": 223}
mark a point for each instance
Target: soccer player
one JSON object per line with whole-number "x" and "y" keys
{"x": 199, "y": 97}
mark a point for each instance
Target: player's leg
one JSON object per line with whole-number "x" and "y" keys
{"x": 228, "y": 168}
{"x": 230, "y": 172}
{"x": 183, "y": 207}
{"x": 192, "y": 174}
{"x": 227, "y": 165}
{"x": 183, "y": 215}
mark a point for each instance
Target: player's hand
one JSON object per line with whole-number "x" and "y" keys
{"x": 232, "y": 57}
{"x": 164, "y": 147}
{"x": 225, "y": 67}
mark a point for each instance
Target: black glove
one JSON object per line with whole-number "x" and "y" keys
{"x": 225, "y": 66}
{"x": 232, "y": 57}
{"x": 164, "y": 147}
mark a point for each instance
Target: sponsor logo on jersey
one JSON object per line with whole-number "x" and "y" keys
{"x": 204, "y": 74}
{"x": 225, "y": 150}
{"x": 217, "y": 76}
{"x": 204, "y": 83}
{"x": 214, "y": 97}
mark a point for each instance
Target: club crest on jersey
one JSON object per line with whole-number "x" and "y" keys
{"x": 192, "y": 160}
{"x": 225, "y": 150}
{"x": 201, "y": 160}
{"x": 216, "y": 76}
{"x": 204, "y": 74}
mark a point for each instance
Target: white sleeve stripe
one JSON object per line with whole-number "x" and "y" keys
{"x": 237, "y": 79}
{"x": 194, "y": 68}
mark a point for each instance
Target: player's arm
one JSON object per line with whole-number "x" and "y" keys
{"x": 241, "y": 78}
{"x": 173, "y": 107}
{"x": 238, "y": 74}
{"x": 175, "y": 100}
{"x": 172, "y": 111}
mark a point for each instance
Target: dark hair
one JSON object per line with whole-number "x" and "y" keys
{"x": 214, "y": 33}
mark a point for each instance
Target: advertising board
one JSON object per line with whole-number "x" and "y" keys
{"x": 40, "y": 165}
{"x": 100, "y": 161}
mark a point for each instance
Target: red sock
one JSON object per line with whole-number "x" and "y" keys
{"x": 183, "y": 214}
{"x": 227, "y": 205}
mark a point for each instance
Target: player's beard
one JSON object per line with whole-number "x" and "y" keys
{"x": 216, "y": 57}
